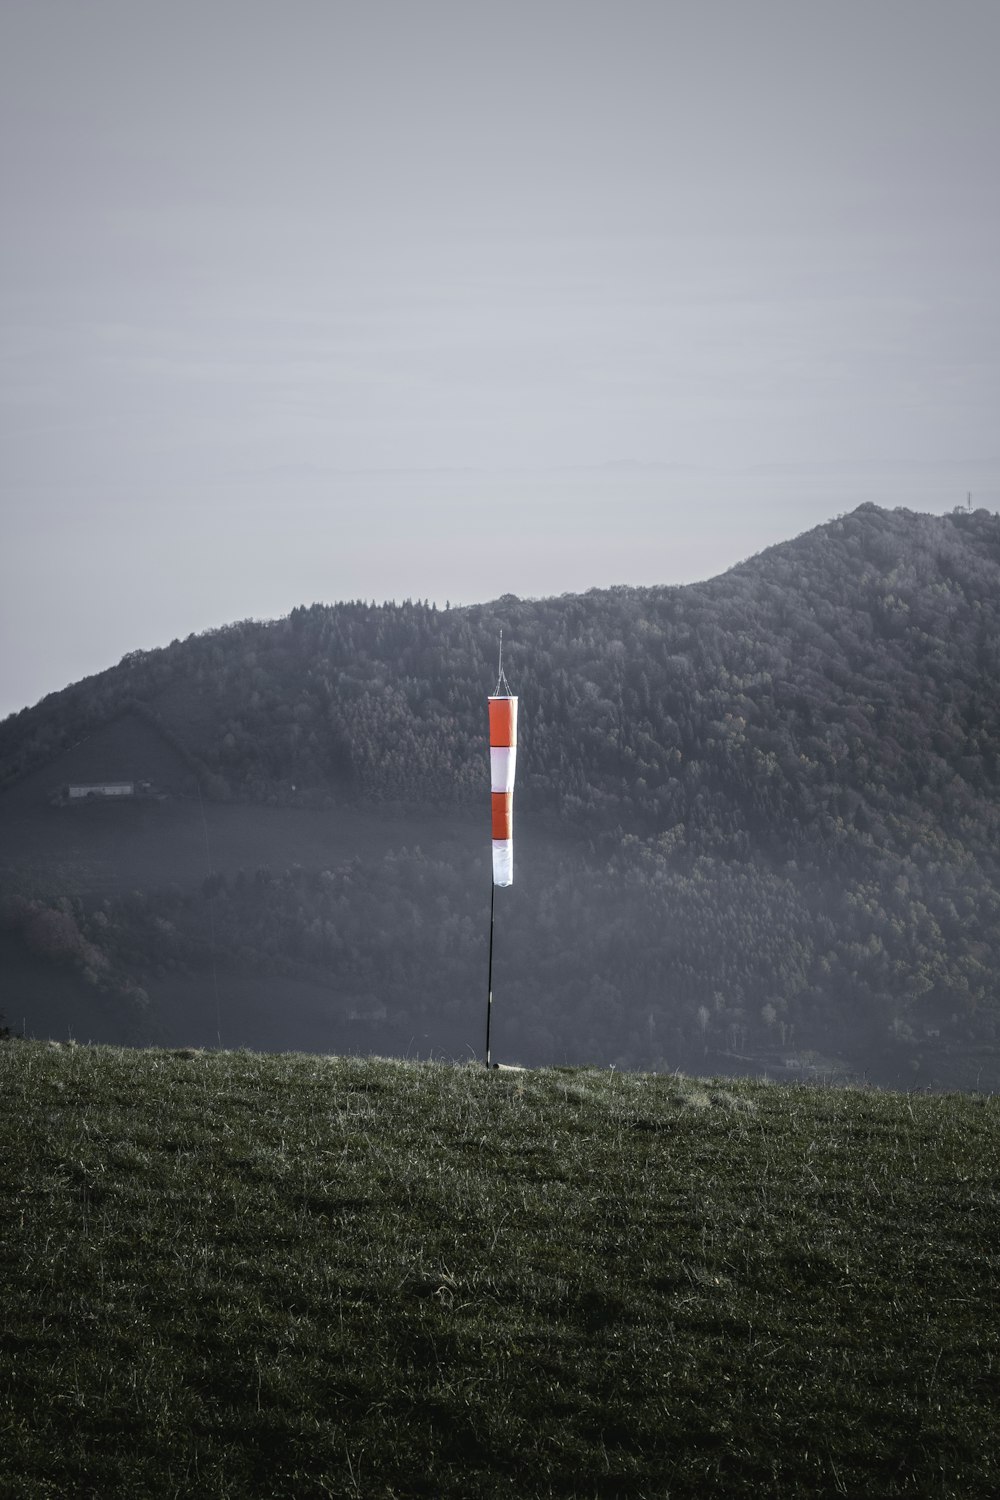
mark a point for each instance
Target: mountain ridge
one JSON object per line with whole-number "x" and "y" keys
{"x": 809, "y": 739}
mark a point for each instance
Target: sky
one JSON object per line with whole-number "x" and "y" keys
{"x": 312, "y": 300}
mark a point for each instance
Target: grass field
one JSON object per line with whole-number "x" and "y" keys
{"x": 243, "y": 1275}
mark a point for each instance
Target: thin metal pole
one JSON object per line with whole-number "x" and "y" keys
{"x": 489, "y": 998}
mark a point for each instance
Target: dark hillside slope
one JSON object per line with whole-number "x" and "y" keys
{"x": 858, "y": 659}
{"x": 764, "y": 808}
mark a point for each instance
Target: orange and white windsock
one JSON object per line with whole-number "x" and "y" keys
{"x": 503, "y": 759}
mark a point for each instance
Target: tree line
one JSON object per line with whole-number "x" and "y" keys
{"x": 779, "y": 786}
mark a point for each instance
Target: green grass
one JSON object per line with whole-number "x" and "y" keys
{"x": 241, "y": 1275}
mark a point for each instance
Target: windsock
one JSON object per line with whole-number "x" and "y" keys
{"x": 503, "y": 758}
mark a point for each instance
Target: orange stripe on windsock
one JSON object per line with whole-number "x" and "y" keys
{"x": 503, "y": 808}
{"x": 503, "y": 722}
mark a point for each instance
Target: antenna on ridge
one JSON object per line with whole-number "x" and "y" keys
{"x": 501, "y": 675}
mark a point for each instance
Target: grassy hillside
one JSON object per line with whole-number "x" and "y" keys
{"x": 239, "y": 1275}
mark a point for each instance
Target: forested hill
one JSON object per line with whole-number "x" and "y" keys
{"x": 793, "y": 768}
{"x": 842, "y": 686}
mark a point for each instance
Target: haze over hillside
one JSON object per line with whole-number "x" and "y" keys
{"x": 756, "y": 823}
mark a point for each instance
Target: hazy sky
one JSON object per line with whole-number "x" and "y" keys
{"x": 324, "y": 299}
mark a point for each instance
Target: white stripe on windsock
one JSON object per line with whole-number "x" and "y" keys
{"x": 503, "y": 862}
{"x": 503, "y": 763}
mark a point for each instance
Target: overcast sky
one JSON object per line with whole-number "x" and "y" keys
{"x": 331, "y": 299}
